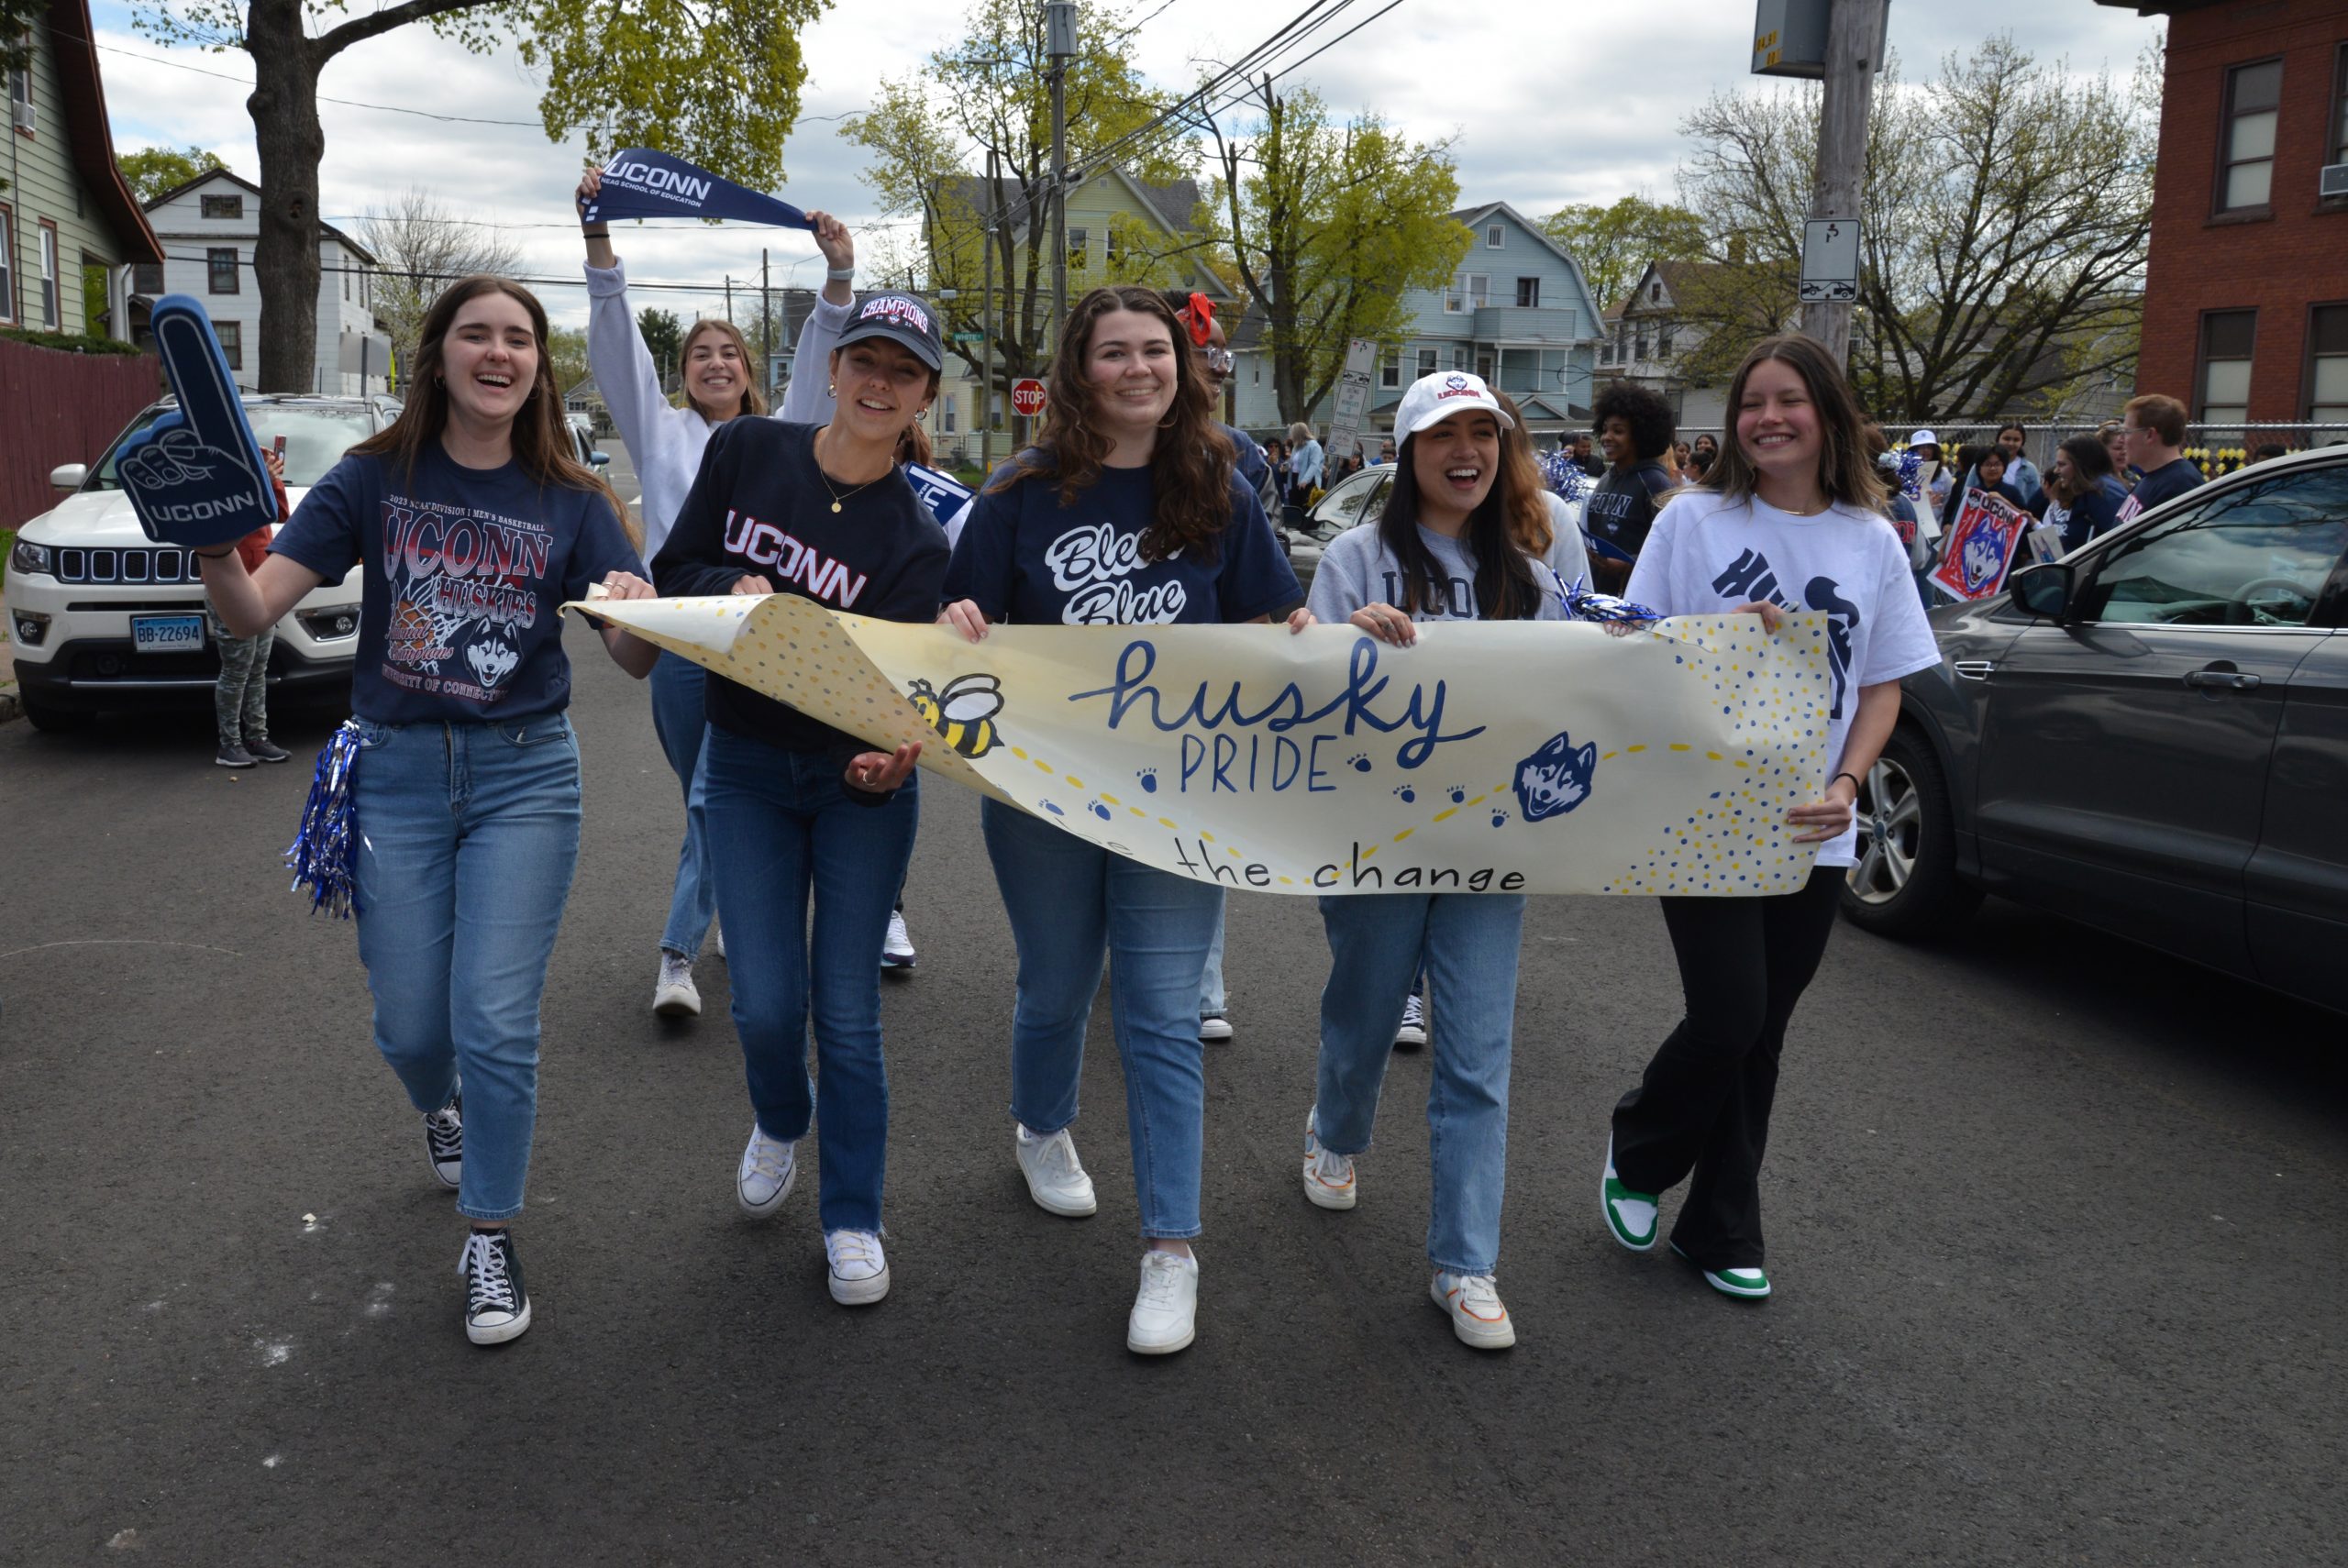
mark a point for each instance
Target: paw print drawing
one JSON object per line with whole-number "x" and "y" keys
{"x": 1500, "y": 818}
{"x": 1458, "y": 792}
{"x": 1358, "y": 762}
{"x": 1053, "y": 807}
{"x": 1404, "y": 793}
{"x": 1098, "y": 809}
{"x": 1148, "y": 776}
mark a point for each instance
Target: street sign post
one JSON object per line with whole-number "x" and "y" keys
{"x": 1353, "y": 397}
{"x": 1027, "y": 397}
{"x": 1829, "y": 259}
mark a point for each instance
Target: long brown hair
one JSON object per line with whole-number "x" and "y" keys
{"x": 1844, "y": 471}
{"x": 754, "y": 402}
{"x": 1191, "y": 465}
{"x": 1529, "y": 528}
{"x": 541, "y": 437}
{"x": 1506, "y": 588}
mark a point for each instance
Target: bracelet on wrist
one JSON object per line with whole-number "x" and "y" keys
{"x": 603, "y": 233}
{"x": 213, "y": 555}
{"x": 840, "y": 274}
{"x": 1851, "y": 777}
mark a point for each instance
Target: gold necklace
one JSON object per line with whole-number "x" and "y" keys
{"x": 836, "y": 495}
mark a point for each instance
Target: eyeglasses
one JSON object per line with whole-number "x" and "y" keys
{"x": 1219, "y": 358}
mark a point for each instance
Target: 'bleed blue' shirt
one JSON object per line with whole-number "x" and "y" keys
{"x": 465, "y": 571}
{"x": 1024, "y": 557}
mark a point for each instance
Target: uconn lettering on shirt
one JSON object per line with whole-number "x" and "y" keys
{"x": 1749, "y": 578}
{"x": 764, "y": 545}
{"x": 1089, "y": 564}
{"x": 1452, "y": 597}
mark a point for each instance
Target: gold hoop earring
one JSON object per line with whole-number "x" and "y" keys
{"x": 921, "y": 415}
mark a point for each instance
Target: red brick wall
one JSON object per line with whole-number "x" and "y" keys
{"x": 2279, "y": 264}
{"x": 56, "y": 408}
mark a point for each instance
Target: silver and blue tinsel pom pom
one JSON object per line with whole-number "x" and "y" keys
{"x": 1562, "y": 474}
{"x": 1910, "y": 466}
{"x": 1583, "y": 605}
{"x": 322, "y": 856}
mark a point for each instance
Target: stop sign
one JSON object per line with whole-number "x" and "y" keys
{"x": 1027, "y": 396}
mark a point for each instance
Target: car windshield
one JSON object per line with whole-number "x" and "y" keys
{"x": 316, "y": 437}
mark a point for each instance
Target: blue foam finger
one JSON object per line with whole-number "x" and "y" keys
{"x": 196, "y": 477}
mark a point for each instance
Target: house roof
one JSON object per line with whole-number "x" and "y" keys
{"x": 233, "y": 178}
{"x": 88, "y": 132}
{"x": 1171, "y": 204}
{"x": 1469, "y": 217}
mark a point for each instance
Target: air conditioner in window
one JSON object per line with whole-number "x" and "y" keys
{"x": 2333, "y": 180}
{"x": 27, "y": 121}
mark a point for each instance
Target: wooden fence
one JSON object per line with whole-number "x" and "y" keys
{"x": 62, "y": 408}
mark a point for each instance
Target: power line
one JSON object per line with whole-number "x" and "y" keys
{"x": 346, "y": 103}
{"x": 398, "y": 272}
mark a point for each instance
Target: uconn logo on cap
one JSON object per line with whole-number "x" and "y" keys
{"x": 1457, "y": 386}
{"x": 900, "y": 311}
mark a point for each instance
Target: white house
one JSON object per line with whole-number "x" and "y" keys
{"x": 208, "y": 228}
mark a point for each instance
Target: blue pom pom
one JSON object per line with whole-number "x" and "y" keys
{"x": 321, "y": 855}
{"x": 1562, "y": 474}
{"x": 1910, "y": 466}
{"x": 1583, "y": 605}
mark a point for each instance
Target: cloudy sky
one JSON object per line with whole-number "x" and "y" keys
{"x": 1549, "y": 103}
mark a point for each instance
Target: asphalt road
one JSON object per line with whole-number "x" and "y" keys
{"x": 2057, "y": 1228}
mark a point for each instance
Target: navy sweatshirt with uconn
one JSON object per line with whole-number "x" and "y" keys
{"x": 761, "y": 507}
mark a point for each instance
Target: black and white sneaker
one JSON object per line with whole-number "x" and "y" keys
{"x": 497, "y": 1307}
{"x": 443, "y": 1141}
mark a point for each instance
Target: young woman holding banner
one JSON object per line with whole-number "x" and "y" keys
{"x": 665, "y": 443}
{"x": 1132, "y": 466}
{"x": 1786, "y": 520}
{"x": 1451, "y": 545}
{"x": 475, "y": 524}
{"x": 795, "y": 809}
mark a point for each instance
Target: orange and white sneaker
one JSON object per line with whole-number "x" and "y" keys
{"x": 1328, "y": 1176}
{"x": 1473, "y": 1300}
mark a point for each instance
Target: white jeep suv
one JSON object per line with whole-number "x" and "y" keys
{"x": 105, "y": 618}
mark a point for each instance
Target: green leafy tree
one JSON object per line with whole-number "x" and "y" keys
{"x": 2003, "y": 234}
{"x": 1614, "y": 244}
{"x": 567, "y": 353}
{"x": 152, "y": 171}
{"x": 931, "y": 136}
{"x": 18, "y": 19}
{"x": 717, "y": 82}
{"x": 1327, "y": 225}
{"x": 663, "y": 334}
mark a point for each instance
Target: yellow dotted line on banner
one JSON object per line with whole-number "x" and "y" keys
{"x": 1073, "y": 783}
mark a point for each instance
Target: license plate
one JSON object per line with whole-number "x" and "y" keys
{"x": 167, "y": 633}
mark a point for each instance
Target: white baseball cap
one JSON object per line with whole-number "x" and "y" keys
{"x": 1923, "y": 439}
{"x": 1433, "y": 399}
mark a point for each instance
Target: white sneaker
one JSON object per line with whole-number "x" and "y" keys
{"x": 1473, "y": 1300}
{"x": 676, "y": 996}
{"x": 721, "y": 942}
{"x": 1412, "y": 1033}
{"x": 896, "y": 948}
{"x": 1056, "y": 1178}
{"x": 1328, "y": 1177}
{"x": 1213, "y": 1028}
{"x": 859, "y": 1268}
{"x": 1166, "y": 1313}
{"x": 768, "y": 1167}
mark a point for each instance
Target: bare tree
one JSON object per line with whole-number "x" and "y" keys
{"x": 420, "y": 248}
{"x": 2008, "y": 205}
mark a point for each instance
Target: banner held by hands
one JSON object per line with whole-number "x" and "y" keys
{"x": 196, "y": 477}
{"x": 641, "y": 183}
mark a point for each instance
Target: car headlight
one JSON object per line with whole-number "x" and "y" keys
{"x": 29, "y": 557}
{"x": 334, "y": 621}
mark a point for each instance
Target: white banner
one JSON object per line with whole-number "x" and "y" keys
{"x": 1537, "y": 758}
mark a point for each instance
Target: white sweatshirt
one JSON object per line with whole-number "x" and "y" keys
{"x": 666, "y": 442}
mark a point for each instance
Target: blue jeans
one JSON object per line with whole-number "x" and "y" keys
{"x": 1468, "y": 942}
{"x": 679, "y": 719}
{"x": 467, "y": 835}
{"x": 782, "y": 827}
{"x": 1072, "y": 906}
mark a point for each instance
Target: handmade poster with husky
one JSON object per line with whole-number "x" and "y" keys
{"x": 1977, "y": 552}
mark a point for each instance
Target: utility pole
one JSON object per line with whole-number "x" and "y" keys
{"x": 986, "y": 321}
{"x": 1060, "y": 43}
{"x": 765, "y": 324}
{"x": 1854, "y": 32}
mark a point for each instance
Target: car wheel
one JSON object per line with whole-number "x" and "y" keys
{"x": 1906, "y": 882}
{"x": 54, "y": 720}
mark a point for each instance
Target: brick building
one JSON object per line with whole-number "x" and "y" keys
{"x": 2247, "y": 295}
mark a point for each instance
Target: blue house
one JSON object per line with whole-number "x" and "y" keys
{"x": 1517, "y": 313}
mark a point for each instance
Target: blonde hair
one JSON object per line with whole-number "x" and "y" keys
{"x": 754, "y": 402}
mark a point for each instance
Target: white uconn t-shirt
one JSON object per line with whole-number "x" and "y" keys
{"x": 1707, "y": 555}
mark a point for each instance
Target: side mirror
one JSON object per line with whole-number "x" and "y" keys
{"x": 69, "y": 476}
{"x": 600, "y": 459}
{"x": 2044, "y": 589}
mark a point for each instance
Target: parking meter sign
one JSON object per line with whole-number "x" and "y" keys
{"x": 1027, "y": 397}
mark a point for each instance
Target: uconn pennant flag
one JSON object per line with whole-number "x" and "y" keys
{"x": 641, "y": 183}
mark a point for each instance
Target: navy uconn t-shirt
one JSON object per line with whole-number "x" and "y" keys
{"x": 1024, "y": 558}
{"x": 466, "y": 569}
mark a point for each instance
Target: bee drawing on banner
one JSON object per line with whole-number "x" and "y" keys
{"x": 964, "y": 712}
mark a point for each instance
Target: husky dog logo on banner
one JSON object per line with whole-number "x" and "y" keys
{"x": 1505, "y": 758}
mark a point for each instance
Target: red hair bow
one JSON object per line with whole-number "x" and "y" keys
{"x": 1199, "y": 316}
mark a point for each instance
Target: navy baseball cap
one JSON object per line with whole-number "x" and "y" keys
{"x": 903, "y": 320}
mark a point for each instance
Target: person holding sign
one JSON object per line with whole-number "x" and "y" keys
{"x": 722, "y": 381}
{"x": 475, "y": 524}
{"x": 1126, "y": 511}
{"x": 1447, "y": 547}
{"x": 795, "y": 809}
{"x": 1785, "y": 521}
